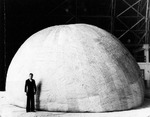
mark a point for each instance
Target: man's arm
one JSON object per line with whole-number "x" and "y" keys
{"x": 34, "y": 87}
{"x": 25, "y": 89}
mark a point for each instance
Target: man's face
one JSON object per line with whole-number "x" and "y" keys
{"x": 30, "y": 76}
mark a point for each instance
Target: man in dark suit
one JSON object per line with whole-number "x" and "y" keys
{"x": 30, "y": 89}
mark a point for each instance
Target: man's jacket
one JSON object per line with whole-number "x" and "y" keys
{"x": 30, "y": 87}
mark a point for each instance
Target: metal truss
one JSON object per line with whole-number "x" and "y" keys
{"x": 138, "y": 31}
{"x": 141, "y": 24}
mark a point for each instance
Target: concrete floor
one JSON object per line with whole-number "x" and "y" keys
{"x": 12, "y": 111}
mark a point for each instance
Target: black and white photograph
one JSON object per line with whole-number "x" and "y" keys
{"x": 74, "y": 58}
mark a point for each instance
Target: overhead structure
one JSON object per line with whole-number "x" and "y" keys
{"x": 135, "y": 20}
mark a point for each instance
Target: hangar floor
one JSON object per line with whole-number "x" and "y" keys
{"x": 13, "y": 111}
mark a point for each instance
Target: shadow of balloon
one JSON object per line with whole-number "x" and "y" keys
{"x": 38, "y": 95}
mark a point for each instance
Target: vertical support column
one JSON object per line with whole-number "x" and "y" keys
{"x": 2, "y": 45}
{"x": 5, "y": 70}
{"x": 146, "y": 46}
{"x": 113, "y": 7}
{"x": 147, "y": 71}
{"x": 146, "y": 52}
{"x": 147, "y": 20}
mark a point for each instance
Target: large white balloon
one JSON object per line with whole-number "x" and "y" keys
{"x": 76, "y": 67}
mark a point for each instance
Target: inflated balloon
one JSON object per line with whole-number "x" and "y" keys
{"x": 77, "y": 68}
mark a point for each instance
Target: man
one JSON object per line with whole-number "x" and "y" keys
{"x": 30, "y": 89}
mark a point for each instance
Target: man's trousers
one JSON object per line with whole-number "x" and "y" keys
{"x": 30, "y": 103}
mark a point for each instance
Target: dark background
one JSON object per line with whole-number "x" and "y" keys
{"x": 19, "y": 19}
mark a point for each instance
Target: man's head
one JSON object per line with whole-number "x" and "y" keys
{"x": 30, "y": 75}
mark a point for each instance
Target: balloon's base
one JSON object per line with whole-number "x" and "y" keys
{"x": 13, "y": 111}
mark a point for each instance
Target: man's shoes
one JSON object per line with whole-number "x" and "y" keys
{"x": 33, "y": 111}
{"x": 30, "y": 111}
